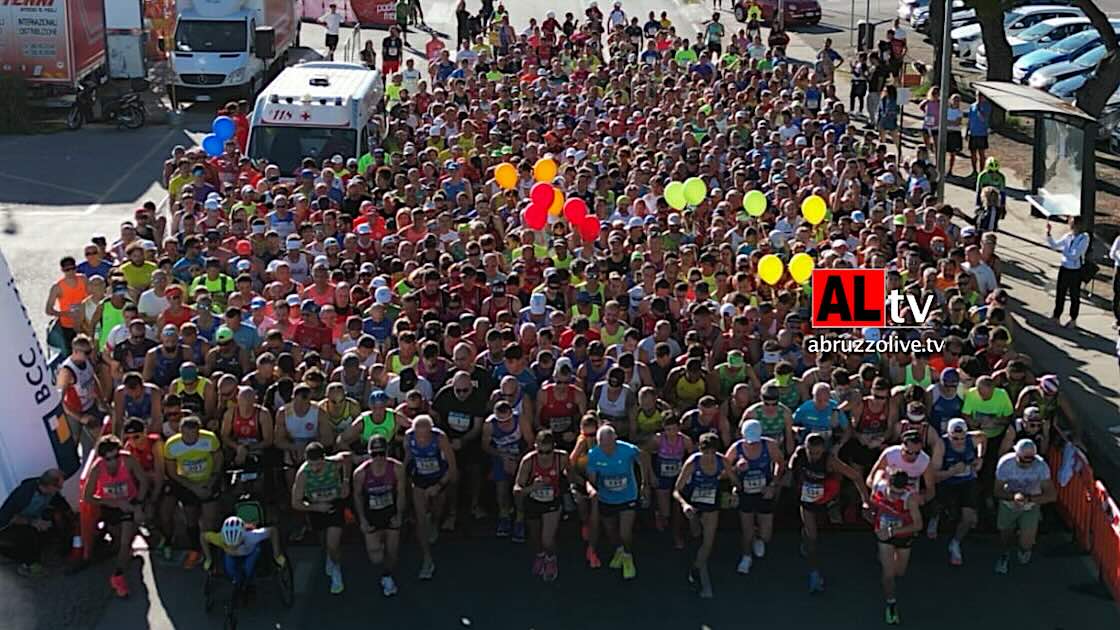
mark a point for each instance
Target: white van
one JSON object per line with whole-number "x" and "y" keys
{"x": 318, "y": 110}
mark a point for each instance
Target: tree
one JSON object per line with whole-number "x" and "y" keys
{"x": 1094, "y": 95}
{"x": 989, "y": 13}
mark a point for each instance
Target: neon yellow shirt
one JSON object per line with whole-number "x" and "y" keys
{"x": 194, "y": 462}
{"x": 138, "y": 276}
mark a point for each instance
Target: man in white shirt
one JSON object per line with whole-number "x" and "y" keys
{"x": 153, "y": 302}
{"x": 1073, "y": 247}
{"x": 985, "y": 277}
{"x": 333, "y": 21}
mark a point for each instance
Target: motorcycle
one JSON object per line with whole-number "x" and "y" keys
{"x": 126, "y": 110}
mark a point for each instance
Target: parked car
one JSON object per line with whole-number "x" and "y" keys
{"x": 906, "y": 8}
{"x": 1046, "y": 77}
{"x": 919, "y": 19}
{"x": 1065, "y": 88}
{"x": 1038, "y": 36}
{"x": 794, "y": 11}
{"x": 967, "y": 38}
{"x": 1068, "y": 48}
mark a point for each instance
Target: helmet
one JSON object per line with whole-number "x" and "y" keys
{"x": 550, "y": 15}
{"x": 992, "y": 164}
{"x": 232, "y": 531}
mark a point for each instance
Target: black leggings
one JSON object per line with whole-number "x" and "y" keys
{"x": 1069, "y": 283}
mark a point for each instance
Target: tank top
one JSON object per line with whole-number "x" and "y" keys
{"x": 773, "y": 424}
{"x": 728, "y": 380}
{"x": 593, "y": 376}
{"x": 427, "y": 460}
{"x": 670, "y": 456}
{"x": 813, "y": 475}
{"x": 119, "y": 485}
{"x": 381, "y": 490}
{"x": 138, "y": 407}
{"x": 387, "y": 428}
{"x": 894, "y": 461}
{"x": 953, "y": 457}
{"x": 192, "y": 398}
{"x": 143, "y": 451}
{"x": 890, "y": 510}
{"x": 614, "y": 410}
{"x": 550, "y": 490}
{"x": 80, "y": 396}
{"x": 608, "y": 338}
{"x": 943, "y": 408}
{"x": 493, "y": 310}
{"x": 69, "y": 296}
{"x": 301, "y": 428}
{"x": 760, "y": 470}
{"x": 246, "y": 430}
{"x": 111, "y": 317}
{"x": 693, "y": 427}
{"x": 704, "y": 486}
{"x": 325, "y": 485}
{"x": 649, "y": 423}
{"x": 228, "y": 363}
{"x": 167, "y": 367}
{"x": 872, "y": 424}
{"x": 558, "y": 415}
{"x": 690, "y": 392}
{"x": 506, "y": 441}
{"x": 924, "y": 381}
{"x": 355, "y": 390}
{"x": 396, "y": 365}
{"x": 341, "y": 418}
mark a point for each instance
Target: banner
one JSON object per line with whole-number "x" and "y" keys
{"x": 364, "y": 12}
{"x": 34, "y": 435}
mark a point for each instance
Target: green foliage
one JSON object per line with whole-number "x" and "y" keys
{"x": 15, "y": 114}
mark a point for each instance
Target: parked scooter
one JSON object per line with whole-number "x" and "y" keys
{"x": 126, "y": 110}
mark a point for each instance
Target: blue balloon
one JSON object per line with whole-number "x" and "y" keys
{"x": 224, "y": 128}
{"x": 212, "y": 144}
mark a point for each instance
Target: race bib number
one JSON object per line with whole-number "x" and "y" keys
{"x": 115, "y": 490}
{"x": 670, "y": 467}
{"x": 889, "y": 520}
{"x": 707, "y": 496}
{"x": 195, "y": 467}
{"x": 323, "y": 494}
{"x": 427, "y": 465}
{"x": 811, "y": 492}
{"x": 616, "y": 483}
{"x": 391, "y": 51}
{"x": 380, "y": 501}
{"x": 543, "y": 494}
{"x": 987, "y": 421}
{"x": 754, "y": 484}
{"x": 459, "y": 421}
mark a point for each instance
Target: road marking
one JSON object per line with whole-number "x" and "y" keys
{"x": 37, "y": 182}
{"x": 100, "y": 200}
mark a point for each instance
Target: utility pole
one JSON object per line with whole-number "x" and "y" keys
{"x": 943, "y": 101}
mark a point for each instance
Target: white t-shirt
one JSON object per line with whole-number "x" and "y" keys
{"x": 151, "y": 305}
{"x": 332, "y": 21}
{"x": 914, "y": 469}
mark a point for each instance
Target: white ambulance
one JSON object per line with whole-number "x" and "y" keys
{"x": 317, "y": 110}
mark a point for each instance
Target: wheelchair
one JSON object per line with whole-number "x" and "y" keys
{"x": 265, "y": 569}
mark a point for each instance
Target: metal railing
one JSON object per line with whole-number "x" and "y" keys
{"x": 352, "y": 48}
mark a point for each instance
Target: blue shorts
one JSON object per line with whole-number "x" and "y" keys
{"x": 240, "y": 569}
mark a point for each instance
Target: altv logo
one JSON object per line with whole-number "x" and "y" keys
{"x": 858, "y": 298}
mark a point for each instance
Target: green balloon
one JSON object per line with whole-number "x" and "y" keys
{"x": 695, "y": 190}
{"x": 675, "y": 195}
{"x": 754, "y": 203}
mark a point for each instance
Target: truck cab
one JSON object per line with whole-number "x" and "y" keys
{"x": 317, "y": 110}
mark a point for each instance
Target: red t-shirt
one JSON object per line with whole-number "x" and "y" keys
{"x": 312, "y": 337}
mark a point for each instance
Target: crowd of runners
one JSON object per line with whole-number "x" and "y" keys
{"x": 391, "y": 349}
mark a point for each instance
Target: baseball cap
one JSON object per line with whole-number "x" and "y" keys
{"x": 378, "y": 397}
{"x": 957, "y": 425}
{"x": 950, "y": 376}
{"x": 293, "y": 244}
{"x": 212, "y": 204}
{"x": 735, "y": 358}
{"x": 1032, "y": 413}
{"x": 257, "y": 302}
{"x": 188, "y": 371}
{"x": 635, "y": 222}
{"x": 583, "y": 297}
{"x": 537, "y": 303}
{"x": 292, "y": 300}
{"x": 169, "y": 330}
{"x": 1025, "y": 447}
{"x": 859, "y": 217}
{"x": 752, "y": 431}
{"x": 309, "y": 306}
{"x": 223, "y": 335}
{"x": 383, "y": 295}
{"x": 1049, "y": 383}
{"x": 872, "y": 334}
{"x": 563, "y": 364}
{"x": 674, "y": 219}
{"x": 244, "y": 265}
{"x": 243, "y": 248}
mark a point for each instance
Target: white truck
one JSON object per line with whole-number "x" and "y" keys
{"x": 316, "y": 109}
{"x": 214, "y": 54}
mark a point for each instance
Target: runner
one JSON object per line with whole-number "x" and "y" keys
{"x": 671, "y": 448}
{"x": 760, "y": 466}
{"x": 117, "y": 484}
{"x": 700, "y": 477}
{"x": 320, "y": 490}
{"x": 1022, "y": 486}
{"x": 540, "y": 477}
{"x": 430, "y": 463}
{"x": 380, "y": 489}
{"x": 502, "y": 436}
{"x": 192, "y": 457}
{"x": 897, "y": 518}
{"x": 613, "y": 485}
{"x": 957, "y": 493}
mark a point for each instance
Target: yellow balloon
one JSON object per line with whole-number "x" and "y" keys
{"x": 813, "y": 209}
{"x": 506, "y": 175}
{"x": 801, "y": 267}
{"x": 544, "y": 170}
{"x": 770, "y": 269}
{"x": 557, "y": 207}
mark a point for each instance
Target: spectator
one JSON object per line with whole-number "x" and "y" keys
{"x": 33, "y": 516}
{"x": 1073, "y": 246}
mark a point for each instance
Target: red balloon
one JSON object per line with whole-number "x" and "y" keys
{"x": 536, "y": 217}
{"x": 542, "y": 194}
{"x": 575, "y": 209}
{"x": 590, "y": 228}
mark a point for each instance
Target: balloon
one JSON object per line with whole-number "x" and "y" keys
{"x": 542, "y": 195}
{"x": 674, "y": 196}
{"x": 590, "y": 228}
{"x": 770, "y": 269}
{"x": 695, "y": 190}
{"x": 801, "y": 267}
{"x": 755, "y": 203}
{"x": 544, "y": 170}
{"x": 813, "y": 209}
{"x": 557, "y": 207}
{"x": 223, "y": 127}
{"x": 506, "y": 176}
{"x": 212, "y": 145}
{"x": 536, "y": 217}
{"x": 575, "y": 209}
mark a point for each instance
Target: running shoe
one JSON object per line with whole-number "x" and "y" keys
{"x": 538, "y": 565}
{"x": 504, "y": 526}
{"x": 388, "y": 586}
{"x": 427, "y": 569}
{"x": 744, "y": 567}
{"x": 164, "y": 551}
{"x": 336, "y": 581}
{"x": 329, "y": 566}
{"x": 931, "y": 529}
{"x": 593, "y": 558}
{"x": 1024, "y": 556}
{"x": 191, "y": 560}
{"x": 616, "y": 559}
{"x": 892, "y": 615}
{"x": 629, "y": 571}
{"x": 816, "y": 582}
{"x": 1001, "y": 564}
{"x": 518, "y": 532}
{"x": 955, "y": 557}
{"x": 551, "y": 569}
{"x": 119, "y": 584}
{"x": 759, "y": 548}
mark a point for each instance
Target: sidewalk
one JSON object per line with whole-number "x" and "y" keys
{"x": 1084, "y": 358}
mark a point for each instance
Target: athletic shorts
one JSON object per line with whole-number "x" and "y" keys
{"x": 423, "y": 483}
{"x": 854, "y": 452}
{"x": 321, "y": 521}
{"x": 186, "y": 497}
{"x": 389, "y": 66}
{"x": 977, "y": 143}
{"x": 536, "y": 509}
{"x": 1010, "y": 519}
{"x": 498, "y": 470}
{"x": 755, "y": 503}
{"x": 382, "y": 519}
{"x": 715, "y": 48}
{"x": 955, "y": 496}
{"x": 614, "y": 509}
{"x": 953, "y": 141}
{"x": 903, "y": 542}
{"x": 332, "y": 41}
{"x": 113, "y": 516}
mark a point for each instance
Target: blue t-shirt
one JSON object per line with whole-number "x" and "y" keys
{"x": 814, "y": 419}
{"x": 978, "y": 115}
{"x": 102, "y": 269}
{"x": 614, "y": 474}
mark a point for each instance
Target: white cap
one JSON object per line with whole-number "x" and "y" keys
{"x": 383, "y": 295}
{"x": 752, "y": 431}
{"x": 674, "y": 219}
{"x": 537, "y": 303}
{"x": 727, "y": 310}
{"x": 1026, "y": 447}
{"x": 957, "y": 425}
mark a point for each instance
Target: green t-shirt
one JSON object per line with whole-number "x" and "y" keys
{"x": 138, "y": 276}
{"x": 992, "y": 415}
{"x": 729, "y": 61}
{"x": 685, "y": 56}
